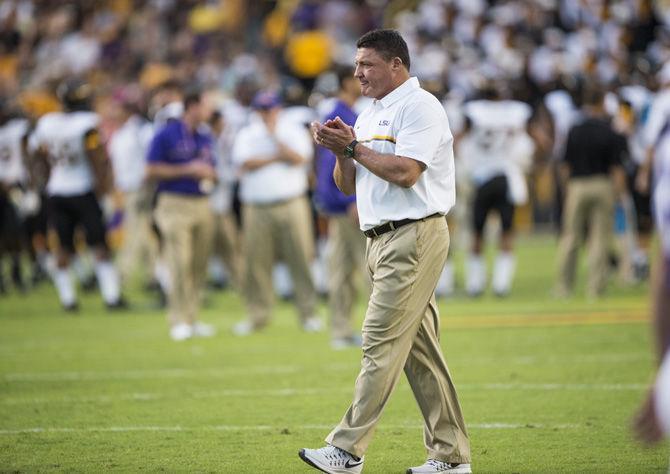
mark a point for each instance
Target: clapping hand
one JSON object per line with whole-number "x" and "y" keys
{"x": 333, "y": 134}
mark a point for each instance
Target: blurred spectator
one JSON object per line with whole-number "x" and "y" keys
{"x": 226, "y": 246}
{"x": 79, "y": 175}
{"x": 346, "y": 244}
{"x": 273, "y": 157}
{"x": 127, "y": 150}
{"x": 592, "y": 169}
{"x": 497, "y": 153}
{"x": 13, "y": 177}
{"x": 653, "y": 419}
{"x": 181, "y": 161}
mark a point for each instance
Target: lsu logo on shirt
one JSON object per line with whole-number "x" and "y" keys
{"x": 384, "y": 123}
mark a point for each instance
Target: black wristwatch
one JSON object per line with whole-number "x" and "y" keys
{"x": 350, "y": 149}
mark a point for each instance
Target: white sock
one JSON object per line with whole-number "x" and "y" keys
{"x": 503, "y": 273}
{"x": 217, "y": 270}
{"x": 475, "y": 275}
{"x": 64, "y": 285}
{"x": 281, "y": 278}
{"x": 445, "y": 285}
{"x": 162, "y": 275}
{"x": 108, "y": 280}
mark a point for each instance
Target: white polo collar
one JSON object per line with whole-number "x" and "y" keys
{"x": 399, "y": 92}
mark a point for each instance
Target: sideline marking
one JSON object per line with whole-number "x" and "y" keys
{"x": 126, "y": 429}
{"x": 547, "y": 319}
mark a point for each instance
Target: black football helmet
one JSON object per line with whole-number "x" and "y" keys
{"x": 75, "y": 94}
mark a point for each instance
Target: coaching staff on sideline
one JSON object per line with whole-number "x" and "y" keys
{"x": 399, "y": 161}
{"x": 181, "y": 161}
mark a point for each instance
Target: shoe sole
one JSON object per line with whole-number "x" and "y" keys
{"x": 302, "y": 455}
{"x": 448, "y": 471}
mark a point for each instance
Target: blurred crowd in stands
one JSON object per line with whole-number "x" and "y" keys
{"x": 140, "y": 58}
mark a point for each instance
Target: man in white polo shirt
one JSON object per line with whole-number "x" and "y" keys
{"x": 399, "y": 161}
{"x": 272, "y": 156}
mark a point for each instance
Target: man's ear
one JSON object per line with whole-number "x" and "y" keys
{"x": 397, "y": 63}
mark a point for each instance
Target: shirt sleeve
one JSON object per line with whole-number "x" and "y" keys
{"x": 157, "y": 148}
{"x": 658, "y": 118}
{"x": 420, "y": 132}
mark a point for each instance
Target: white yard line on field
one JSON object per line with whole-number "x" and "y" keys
{"x": 293, "y": 392}
{"x": 148, "y": 374}
{"x": 127, "y": 429}
{"x": 176, "y": 373}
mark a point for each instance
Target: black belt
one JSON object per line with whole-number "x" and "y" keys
{"x": 393, "y": 225}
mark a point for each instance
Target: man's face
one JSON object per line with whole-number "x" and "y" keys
{"x": 202, "y": 110}
{"x": 374, "y": 73}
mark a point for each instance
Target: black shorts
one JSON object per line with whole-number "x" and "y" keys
{"x": 10, "y": 225}
{"x": 36, "y": 224}
{"x": 492, "y": 195}
{"x": 66, "y": 213}
{"x": 642, "y": 203}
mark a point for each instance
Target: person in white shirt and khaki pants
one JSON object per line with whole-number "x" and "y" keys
{"x": 399, "y": 161}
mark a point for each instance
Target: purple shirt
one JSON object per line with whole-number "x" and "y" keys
{"x": 327, "y": 197}
{"x": 174, "y": 144}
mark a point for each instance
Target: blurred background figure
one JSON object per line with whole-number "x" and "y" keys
{"x": 496, "y": 153}
{"x": 594, "y": 177}
{"x": 181, "y": 162}
{"x": 653, "y": 419}
{"x": 273, "y": 156}
{"x": 13, "y": 179}
{"x": 69, "y": 145}
{"x": 346, "y": 244}
{"x": 225, "y": 263}
{"x": 540, "y": 54}
{"x": 128, "y": 149}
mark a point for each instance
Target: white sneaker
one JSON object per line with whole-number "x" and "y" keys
{"x": 433, "y": 466}
{"x": 243, "y": 328}
{"x": 332, "y": 460}
{"x": 181, "y": 332}
{"x": 312, "y": 324}
{"x": 203, "y": 330}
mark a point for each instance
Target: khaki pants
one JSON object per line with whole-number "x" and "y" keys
{"x": 185, "y": 223}
{"x": 401, "y": 330}
{"x": 346, "y": 256}
{"x": 227, "y": 245}
{"x": 140, "y": 246}
{"x": 589, "y": 201}
{"x": 278, "y": 229}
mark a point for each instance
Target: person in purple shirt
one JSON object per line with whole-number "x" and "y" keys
{"x": 181, "y": 162}
{"x": 346, "y": 244}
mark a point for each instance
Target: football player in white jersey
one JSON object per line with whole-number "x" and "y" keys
{"x": 12, "y": 178}
{"x": 496, "y": 153}
{"x": 79, "y": 173}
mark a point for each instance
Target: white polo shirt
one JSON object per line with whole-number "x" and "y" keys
{"x": 127, "y": 150}
{"x": 408, "y": 122}
{"x": 277, "y": 181}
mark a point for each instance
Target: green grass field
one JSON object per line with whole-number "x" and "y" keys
{"x": 546, "y": 385}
